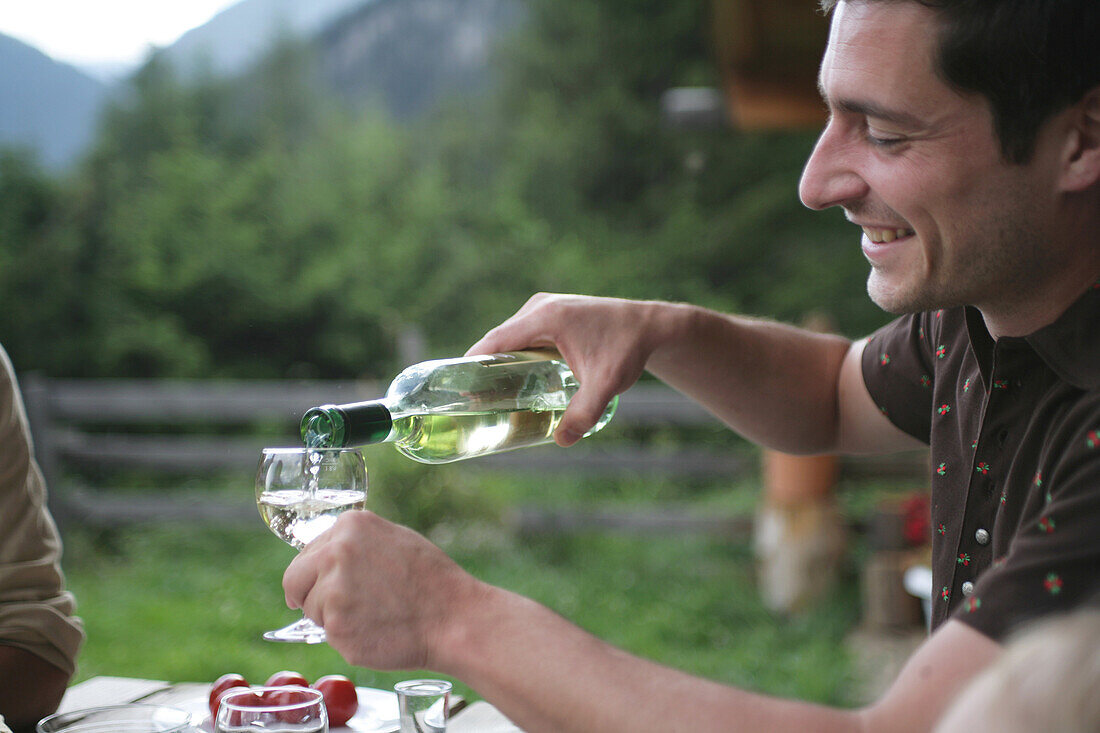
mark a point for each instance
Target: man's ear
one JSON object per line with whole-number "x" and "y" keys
{"x": 1082, "y": 159}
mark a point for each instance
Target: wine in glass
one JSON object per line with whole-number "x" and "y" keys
{"x": 300, "y": 493}
{"x": 272, "y": 709}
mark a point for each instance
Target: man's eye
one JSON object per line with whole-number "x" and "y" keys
{"x": 883, "y": 142}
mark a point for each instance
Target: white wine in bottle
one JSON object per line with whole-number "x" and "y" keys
{"x": 450, "y": 409}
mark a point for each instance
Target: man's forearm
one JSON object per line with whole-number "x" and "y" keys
{"x": 411, "y": 607}
{"x": 773, "y": 383}
{"x": 548, "y": 675}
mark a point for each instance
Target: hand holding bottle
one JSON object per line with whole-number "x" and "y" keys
{"x": 605, "y": 341}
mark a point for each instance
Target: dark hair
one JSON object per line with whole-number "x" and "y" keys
{"x": 1030, "y": 58}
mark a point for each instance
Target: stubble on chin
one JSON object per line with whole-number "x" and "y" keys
{"x": 902, "y": 298}
{"x": 991, "y": 283}
{"x": 892, "y": 298}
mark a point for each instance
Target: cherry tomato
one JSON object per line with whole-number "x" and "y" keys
{"x": 221, "y": 685}
{"x": 285, "y": 679}
{"x": 289, "y": 696}
{"x": 341, "y": 700}
{"x": 243, "y": 698}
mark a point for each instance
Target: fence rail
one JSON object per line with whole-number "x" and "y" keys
{"x": 175, "y": 428}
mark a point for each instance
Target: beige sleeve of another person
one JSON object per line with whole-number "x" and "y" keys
{"x": 36, "y": 612}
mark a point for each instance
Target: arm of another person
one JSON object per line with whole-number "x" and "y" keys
{"x": 782, "y": 387}
{"x": 389, "y": 599}
{"x": 39, "y": 636}
{"x": 24, "y": 704}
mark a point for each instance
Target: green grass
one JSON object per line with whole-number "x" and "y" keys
{"x": 188, "y": 605}
{"x": 185, "y": 603}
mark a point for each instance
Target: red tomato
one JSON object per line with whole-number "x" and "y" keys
{"x": 222, "y": 684}
{"x": 243, "y": 698}
{"x": 286, "y": 678}
{"x": 290, "y": 696}
{"x": 341, "y": 700}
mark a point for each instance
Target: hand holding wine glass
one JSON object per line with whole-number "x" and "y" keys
{"x": 300, "y": 492}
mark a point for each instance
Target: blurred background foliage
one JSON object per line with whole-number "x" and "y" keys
{"x": 254, "y": 227}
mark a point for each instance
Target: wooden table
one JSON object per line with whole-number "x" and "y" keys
{"x": 478, "y": 717}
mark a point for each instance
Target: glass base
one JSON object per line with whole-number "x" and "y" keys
{"x": 302, "y": 631}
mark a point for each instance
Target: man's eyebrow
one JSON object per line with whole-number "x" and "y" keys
{"x": 871, "y": 109}
{"x": 878, "y": 112}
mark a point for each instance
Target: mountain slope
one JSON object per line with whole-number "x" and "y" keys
{"x": 238, "y": 36}
{"x": 46, "y": 106}
{"x": 411, "y": 54}
{"x": 406, "y": 55}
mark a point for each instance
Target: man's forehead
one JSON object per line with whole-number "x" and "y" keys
{"x": 879, "y": 54}
{"x": 886, "y": 34}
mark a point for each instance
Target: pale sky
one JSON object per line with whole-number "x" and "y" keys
{"x": 103, "y": 32}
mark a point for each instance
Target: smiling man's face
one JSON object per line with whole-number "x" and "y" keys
{"x": 946, "y": 220}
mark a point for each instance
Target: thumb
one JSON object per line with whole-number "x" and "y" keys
{"x": 582, "y": 414}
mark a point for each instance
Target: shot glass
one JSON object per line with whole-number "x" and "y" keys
{"x": 288, "y": 709}
{"x": 423, "y": 705}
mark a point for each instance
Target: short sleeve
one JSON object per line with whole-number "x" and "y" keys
{"x": 898, "y": 372}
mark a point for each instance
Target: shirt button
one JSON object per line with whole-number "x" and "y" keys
{"x": 981, "y": 537}
{"x": 968, "y": 589}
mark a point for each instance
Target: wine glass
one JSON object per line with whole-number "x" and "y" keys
{"x": 300, "y": 492}
{"x": 273, "y": 710}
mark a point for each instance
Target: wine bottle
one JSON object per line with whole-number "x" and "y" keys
{"x": 451, "y": 409}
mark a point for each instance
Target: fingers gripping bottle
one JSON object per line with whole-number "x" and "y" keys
{"x": 451, "y": 409}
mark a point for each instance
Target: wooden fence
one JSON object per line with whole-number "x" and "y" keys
{"x": 187, "y": 428}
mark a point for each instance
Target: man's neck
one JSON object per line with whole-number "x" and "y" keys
{"x": 1021, "y": 317}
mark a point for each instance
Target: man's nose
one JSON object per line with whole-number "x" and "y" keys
{"x": 830, "y": 177}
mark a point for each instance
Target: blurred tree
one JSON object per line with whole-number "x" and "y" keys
{"x": 253, "y": 228}
{"x": 628, "y": 205}
{"x": 41, "y": 291}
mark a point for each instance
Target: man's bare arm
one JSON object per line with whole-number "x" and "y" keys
{"x": 388, "y": 599}
{"x": 782, "y": 387}
{"x": 931, "y": 679}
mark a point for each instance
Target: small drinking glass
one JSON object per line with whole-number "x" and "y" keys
{"x": 300, "y": 492}
{"x": 272, "y": 710}
{"x": 423, "y": 705}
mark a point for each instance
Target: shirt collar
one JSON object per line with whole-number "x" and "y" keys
{"x": 1070, "y": 345}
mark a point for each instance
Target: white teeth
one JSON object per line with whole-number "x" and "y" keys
{"x": 885, "y": 235}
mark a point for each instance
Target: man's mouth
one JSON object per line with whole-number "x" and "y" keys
{"x": 880, "y": 236}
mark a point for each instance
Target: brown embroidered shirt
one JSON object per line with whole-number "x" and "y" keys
{"x": 1014, "y": 431}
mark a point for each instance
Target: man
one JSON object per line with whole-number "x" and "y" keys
{"x": 964, "y": 139}
{"x": 39, "y": 636}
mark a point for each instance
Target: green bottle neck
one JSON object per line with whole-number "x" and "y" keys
{"x": 339, "y": 426}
